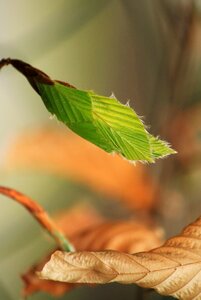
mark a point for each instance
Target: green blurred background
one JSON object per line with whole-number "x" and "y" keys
{"x": 148, "y": 52}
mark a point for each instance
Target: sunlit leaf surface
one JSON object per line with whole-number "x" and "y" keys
{"x": 172, "y": 269}
{"x": 104, "y": 121}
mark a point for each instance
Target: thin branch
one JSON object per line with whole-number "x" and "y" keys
{"x": 4, "y": 62}
{"x": 40, "y": 215}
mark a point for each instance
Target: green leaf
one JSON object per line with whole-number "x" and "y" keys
{"x": 160, "y": 148}
{"x": 103, "y": 121}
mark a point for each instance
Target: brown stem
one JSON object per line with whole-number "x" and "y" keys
{"x": 4, "y": 62}
{"x": 40, "y": 215}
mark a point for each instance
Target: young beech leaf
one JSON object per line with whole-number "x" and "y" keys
{"x": 172, "y": 269}
{"x": 104, "y": 121}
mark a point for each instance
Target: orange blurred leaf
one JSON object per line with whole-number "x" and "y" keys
{"x": 62, "y": 152}
{"x": 128, "y": 236}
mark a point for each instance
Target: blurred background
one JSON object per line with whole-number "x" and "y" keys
{"x": 147, "y": 52}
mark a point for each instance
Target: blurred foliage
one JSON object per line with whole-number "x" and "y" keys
{"x": 145, "y": 51}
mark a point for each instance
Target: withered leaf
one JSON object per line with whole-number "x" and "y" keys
{"x": 126, "y": 236}
{"x": 172, "y": 269}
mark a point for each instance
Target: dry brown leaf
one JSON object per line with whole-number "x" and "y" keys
{"x": 172, "y": 269}
{"x": 63, "y": 152}
{"x": 33, "y": 284}
{"x": 126, "y": 236}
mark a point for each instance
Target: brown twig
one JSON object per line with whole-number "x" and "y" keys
{"x": 4, "y": 62}
{"x": 40, "y": 215}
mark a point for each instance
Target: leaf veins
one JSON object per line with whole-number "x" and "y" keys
{"x": 172, "y": 269}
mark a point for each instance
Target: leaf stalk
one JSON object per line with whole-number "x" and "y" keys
{"x": 40, "y": 215}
